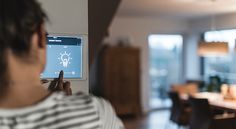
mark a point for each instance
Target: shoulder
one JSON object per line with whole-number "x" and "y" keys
{"x": 92, "y": 104}
{"x": 81, "y": 98}
{"x": 78, "y": 97}
{"x": 107, "y": 114}
{"x": 76, "y": 100}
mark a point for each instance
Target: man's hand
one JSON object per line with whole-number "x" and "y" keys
{"x": 59, "y": 85}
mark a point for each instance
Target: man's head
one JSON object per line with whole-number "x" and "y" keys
{"x": 22, "y": 34}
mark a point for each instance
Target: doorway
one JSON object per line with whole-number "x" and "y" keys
{"x": 165, "y": 56}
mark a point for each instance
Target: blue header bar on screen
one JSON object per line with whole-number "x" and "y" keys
{"x": 54, "y": 40}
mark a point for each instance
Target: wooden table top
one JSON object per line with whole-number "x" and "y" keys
{"x": 216, "y": 100}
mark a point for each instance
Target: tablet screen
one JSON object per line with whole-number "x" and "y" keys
{"x": 64, "y": 53}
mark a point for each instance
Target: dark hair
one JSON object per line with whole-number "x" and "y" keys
{"x": 19, "y": 20}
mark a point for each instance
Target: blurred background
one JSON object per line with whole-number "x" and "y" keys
{"x": 141, "y": 49}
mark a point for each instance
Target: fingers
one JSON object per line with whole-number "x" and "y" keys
{"x": 60, "y": 81}
{"x": 43, "y": 81}
{"x": 53, "y": 85}
{"x": 67, "y": 89}
{"x": 59, "y": 85}
{"x": 70, "y": 92}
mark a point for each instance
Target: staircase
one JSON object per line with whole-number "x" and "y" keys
{"x": 101, "y": 13}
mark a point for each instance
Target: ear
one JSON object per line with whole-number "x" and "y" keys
{"x": 42, "y": 37}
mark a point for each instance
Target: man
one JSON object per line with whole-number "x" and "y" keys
{"x": 24, "y": 102}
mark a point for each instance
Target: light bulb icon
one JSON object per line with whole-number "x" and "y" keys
{"x": 65, "y": 59}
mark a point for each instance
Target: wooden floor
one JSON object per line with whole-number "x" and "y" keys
{"x": 154, "y": 120}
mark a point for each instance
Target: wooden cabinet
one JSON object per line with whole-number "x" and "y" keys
{"x": 120, "y": 79}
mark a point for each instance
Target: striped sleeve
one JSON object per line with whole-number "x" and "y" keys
{"x": 107, "y": 115}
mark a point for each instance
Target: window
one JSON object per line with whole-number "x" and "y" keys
{"x": 221, "y": 66}
{"x": 165, "y": 54}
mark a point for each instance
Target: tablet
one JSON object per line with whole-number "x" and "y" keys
{"x": 65, "y": 52}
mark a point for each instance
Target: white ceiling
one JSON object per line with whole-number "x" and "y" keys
{"x": 176, "y": 8}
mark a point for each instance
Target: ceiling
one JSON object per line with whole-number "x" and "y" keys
{"x": 176, "y": 8}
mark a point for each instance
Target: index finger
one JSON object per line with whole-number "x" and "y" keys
{"x": 60, "y": 80}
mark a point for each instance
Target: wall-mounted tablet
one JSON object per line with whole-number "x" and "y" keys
{"x": 67, "y": 53}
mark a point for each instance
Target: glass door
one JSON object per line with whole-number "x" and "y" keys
{"x": 165, "y": 55}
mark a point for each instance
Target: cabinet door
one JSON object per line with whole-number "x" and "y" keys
{"x": 130, "y": 80}
{"x": 122, "y": 79}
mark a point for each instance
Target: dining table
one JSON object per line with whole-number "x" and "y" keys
{"x": 216, "y": 100}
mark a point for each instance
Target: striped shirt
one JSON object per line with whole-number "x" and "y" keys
{"x": 62, "y": 112}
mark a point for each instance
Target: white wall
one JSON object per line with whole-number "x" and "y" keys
{"x": 192, "y": 60}
{"x": 68, "y": 16}
{"x": 137, "y": 29}
{"x": 227, "y": 21}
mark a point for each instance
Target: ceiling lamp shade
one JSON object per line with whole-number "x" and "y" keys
{"x": 213, "y": 49}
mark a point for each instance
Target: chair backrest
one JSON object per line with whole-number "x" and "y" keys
{"x": 189, "y": 88}
{"x": 201, "y": 113}
{"x": 176, "y": 106}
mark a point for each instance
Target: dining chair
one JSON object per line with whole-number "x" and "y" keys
{"x": 188, "y": 88}
{"x": 202, "y": 116}
{"x": 180, "y": 113}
